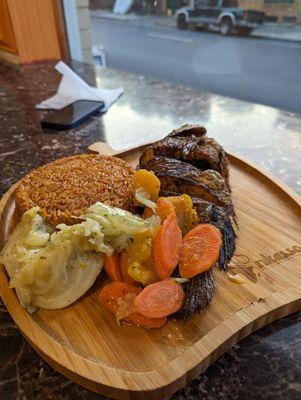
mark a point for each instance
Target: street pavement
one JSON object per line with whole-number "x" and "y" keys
{"x": 251, "y": 69}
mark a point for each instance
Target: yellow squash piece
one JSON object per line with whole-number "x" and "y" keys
{"x": 148, "y": 181}
{"x": 140, "y": 260}
{"x": 186, "y": 215}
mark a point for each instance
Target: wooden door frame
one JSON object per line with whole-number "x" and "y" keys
{"x": 61, "y": 28}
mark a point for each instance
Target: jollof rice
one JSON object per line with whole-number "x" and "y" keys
{"x": 66, "y": 187}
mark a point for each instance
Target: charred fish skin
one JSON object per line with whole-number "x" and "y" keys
{"x": 189, "y": 130}
{"x": 208, "y": 152}
{"x": 199, "y": 293}
{"x": 229, "y": 244}
{"x": 190, "y": 144}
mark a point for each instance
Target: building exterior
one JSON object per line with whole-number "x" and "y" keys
{"x": 284, "y": 10}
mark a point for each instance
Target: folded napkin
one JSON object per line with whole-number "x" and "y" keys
{"x": 73, "y": 88}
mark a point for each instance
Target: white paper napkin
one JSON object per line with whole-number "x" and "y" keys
{"x": 73, "y": 88}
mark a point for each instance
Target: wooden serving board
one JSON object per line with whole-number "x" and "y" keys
{"x": 84, "y": 342}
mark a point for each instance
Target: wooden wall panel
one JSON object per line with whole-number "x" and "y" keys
{"x": 7, "y": 37}
{"x": 36, "y": 29}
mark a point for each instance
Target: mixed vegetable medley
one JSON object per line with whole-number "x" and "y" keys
{"x": 147, "y": 274}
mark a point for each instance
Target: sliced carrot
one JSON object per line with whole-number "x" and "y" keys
{"x": 165, "y": 208}
{"x": 112, "y": 267}
{"x": 200, "y": 250}
{"x": 167, "y": 247}
{"x": 141, "y": 320}
{"x": 124, "y": 269}
{"x": 110, "y": 297}
{"x": 147, "y": 212}
{"x": 110, "y": 294}
{"x": 160, "y": 299}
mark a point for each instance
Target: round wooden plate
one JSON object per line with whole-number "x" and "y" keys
{"x": 84, "y": 342}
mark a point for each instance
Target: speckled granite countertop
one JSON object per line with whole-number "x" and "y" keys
{"x": 267, "y": 364}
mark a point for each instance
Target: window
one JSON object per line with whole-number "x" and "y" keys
{"x": 230, "y": 3}
{"x": 278, "y": 1}
{"x": 201, "y": 3}
{"x": 156, "y": 39}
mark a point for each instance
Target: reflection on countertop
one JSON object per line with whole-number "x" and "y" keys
{"x": 266, "y": 365}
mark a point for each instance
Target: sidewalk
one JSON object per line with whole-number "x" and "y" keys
{"x": 278, "y": 32}
{"x": 107, "y": 14}
{"x": 267, "y": 31}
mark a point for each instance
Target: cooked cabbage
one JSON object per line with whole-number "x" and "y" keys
{"x": 53, "y": 269}
{"x": 119, "y": 226}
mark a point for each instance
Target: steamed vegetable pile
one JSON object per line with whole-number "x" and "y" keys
{"x": 147, "y": 256}
{"x": 147, "y": 275}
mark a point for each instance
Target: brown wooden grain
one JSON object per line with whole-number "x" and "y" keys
{"x": 84, "y": 342}
{"x": 7, "y": 37}
{"x": 35, "y": 27}
{"x": 61, "y": 29}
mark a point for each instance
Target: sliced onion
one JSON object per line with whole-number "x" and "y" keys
{"x": 180, "y": 280}
{"x": 142, "y": 197}
{"x": 125, "y": 306}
